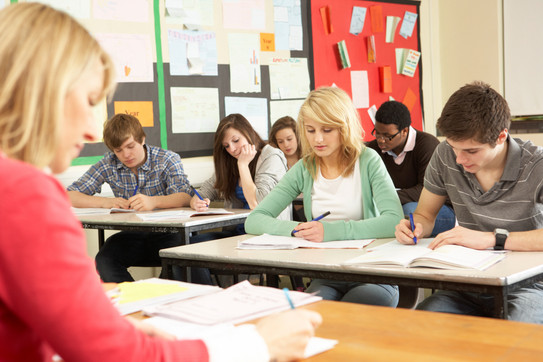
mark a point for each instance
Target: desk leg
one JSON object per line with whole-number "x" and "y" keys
{"x": 167, "y": 270}
{"x": 185, "y": 238}
{"x": 500, "y": 305}
{"x": 101, "y": 238}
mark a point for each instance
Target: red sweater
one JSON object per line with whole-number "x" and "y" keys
{"x": 51, "y": 299}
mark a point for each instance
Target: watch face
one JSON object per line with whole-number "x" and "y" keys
{"x": 501, "y": 231}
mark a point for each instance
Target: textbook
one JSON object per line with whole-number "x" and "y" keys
{"x": 236, "y": 304}
{"x": 445, "y": 257}
{"x": 274, "y": 242}
{"x": 181, "y": 214}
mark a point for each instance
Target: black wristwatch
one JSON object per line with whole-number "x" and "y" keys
{"x": 500, "y": 235}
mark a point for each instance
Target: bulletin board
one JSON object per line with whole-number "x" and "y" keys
{"x": 328, "y": 67}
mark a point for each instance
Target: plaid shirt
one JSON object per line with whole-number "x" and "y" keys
{"x": 161, "y": 174}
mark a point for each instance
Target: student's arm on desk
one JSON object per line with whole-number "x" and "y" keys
{"x": 531, "y": 240}
{"x": 79, "y": 199}
{"x": 141, "y": 202}
{"x": 263, "y": 219}
{"x": 424, "y": 217}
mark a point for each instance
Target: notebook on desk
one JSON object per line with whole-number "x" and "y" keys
{"x": 274, "y": 242}
{"x": 445, "y": 257}
{"x": 181, "y": 214}
{"x": 239, "y": 303}
{"x": 98, "y": 211}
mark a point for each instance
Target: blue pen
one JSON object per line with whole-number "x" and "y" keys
{"x": 288, "y": 298}
{"x": 136, "y": 190}
{"x": 315, "y": 219}
{"x": 413, "y": 227}
{"x": 197, "y": 194}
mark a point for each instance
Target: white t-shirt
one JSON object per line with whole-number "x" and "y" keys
{"x": 341, "y": 196}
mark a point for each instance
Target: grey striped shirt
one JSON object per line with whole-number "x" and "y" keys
{"x": 514, "y": 203}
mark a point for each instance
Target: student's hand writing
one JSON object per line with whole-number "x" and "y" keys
{"x": 116, "y": 203}
{"x": 199, "y": 205}
{"x": 465, "y": 237}
{"x": 287, "y": 333}
{"x": 141, "y": 202}
{"x": 404, "y": 234}
{"x": 247, "y": 154}
{"x": 312, "y": 231}
{"x": 149, "y": 329}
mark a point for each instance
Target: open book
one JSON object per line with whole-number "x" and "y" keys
{"x": 98, "y": 211}
{"x": 266, "y": 241}
{"x": 444, "y": 257}
{"x": 181, "y": 214}
{"x": 236, "y": 304}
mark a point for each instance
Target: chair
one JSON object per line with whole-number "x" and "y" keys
{"x": 410, "y": 297}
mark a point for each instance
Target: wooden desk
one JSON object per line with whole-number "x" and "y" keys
{"x": 370, "y": 333}
{"x": 131, "y": 222}
{"x": 516, "y": 270}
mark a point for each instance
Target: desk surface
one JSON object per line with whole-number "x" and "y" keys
{"x": 515, "y": 267}
{"x": 131, "y": 219}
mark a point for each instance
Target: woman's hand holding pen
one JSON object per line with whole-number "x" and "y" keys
{"x": 405, "y": 235}
{"x": 198, "y": 204}
{"x": 312, "y": 231}
{"x": 287, "y": 334}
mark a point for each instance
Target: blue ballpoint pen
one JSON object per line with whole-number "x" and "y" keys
{"x": 197, "y": 194}
{"x": 316, "y": 219}
{"x": 413, "y": 227}
{"x": 288, "y": 298}
{"x": 136, "y": 190}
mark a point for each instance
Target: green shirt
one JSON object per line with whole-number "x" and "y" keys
{"x": 381, "y": 207}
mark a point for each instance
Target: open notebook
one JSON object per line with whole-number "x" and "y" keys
{"x": 236, "y": 304}
{"x": 266, "y": 241}
{"x": 181, "y": 214}
{"x": 444, "y": 257}
{"x": 98, "y": 211}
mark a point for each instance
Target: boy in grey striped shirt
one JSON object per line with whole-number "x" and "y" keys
{"x": 495, "y": 184}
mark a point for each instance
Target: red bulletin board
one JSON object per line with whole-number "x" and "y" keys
{"x": 327, "y": 69}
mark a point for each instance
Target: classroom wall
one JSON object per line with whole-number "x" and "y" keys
{"x": 461, "y": 41}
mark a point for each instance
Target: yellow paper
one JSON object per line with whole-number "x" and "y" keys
{"x": 133, "y": 292}
{"x": 141, "y": 110}
{"x": 267, "y": 42}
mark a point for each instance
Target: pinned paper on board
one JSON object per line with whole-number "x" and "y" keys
{"x": 409, "y": 99}
{"x": 357, "y": 20}
{"x": 371, "y": 112}
{"x": 143, "y": 111}
{"x": 360, "y": 88}
{"x": 392, "y": 25}
{"x": 343, "y": 54}
{"x": 372, "y": 55}
{"x": 376, "y": 13}
{"x": 385, "y": 79}
{"x": 408, "y": 24}
{"x": 267, "y": 42}
{"x": 407, "y": 61}
{"x": 326, "y": 20}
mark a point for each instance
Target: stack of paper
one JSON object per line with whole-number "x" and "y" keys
{"x": 98, "y": 211}
{"x": 131, "y": 297}
{"x": 445, "y": 257}
{"x": 239, "y": 303}
{"x": 266, "y": 241}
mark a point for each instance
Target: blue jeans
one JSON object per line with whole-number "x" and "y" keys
{"x": 524, "y": 305}
{"x": 445, "y": 220}
{"x": 362, "y": 293}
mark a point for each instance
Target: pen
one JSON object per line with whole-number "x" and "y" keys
{"x": 197, "y": 194}
{"x": 136, "y": 190}
{"x": 316, "y": 219}
{"x": 288, "y": 298}
{"x": 413, "y": 227}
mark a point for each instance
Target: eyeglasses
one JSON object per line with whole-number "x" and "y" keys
{"x": 385, "y": 138}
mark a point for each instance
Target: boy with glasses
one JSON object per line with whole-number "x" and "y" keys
{"x": 406, "y": 153}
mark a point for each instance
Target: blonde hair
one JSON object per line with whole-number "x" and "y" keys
{"x": 332, "y": 107}
{"x": 43, "y": 53}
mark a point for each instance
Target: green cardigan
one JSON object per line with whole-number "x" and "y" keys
{"x": 382, "y": 208}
